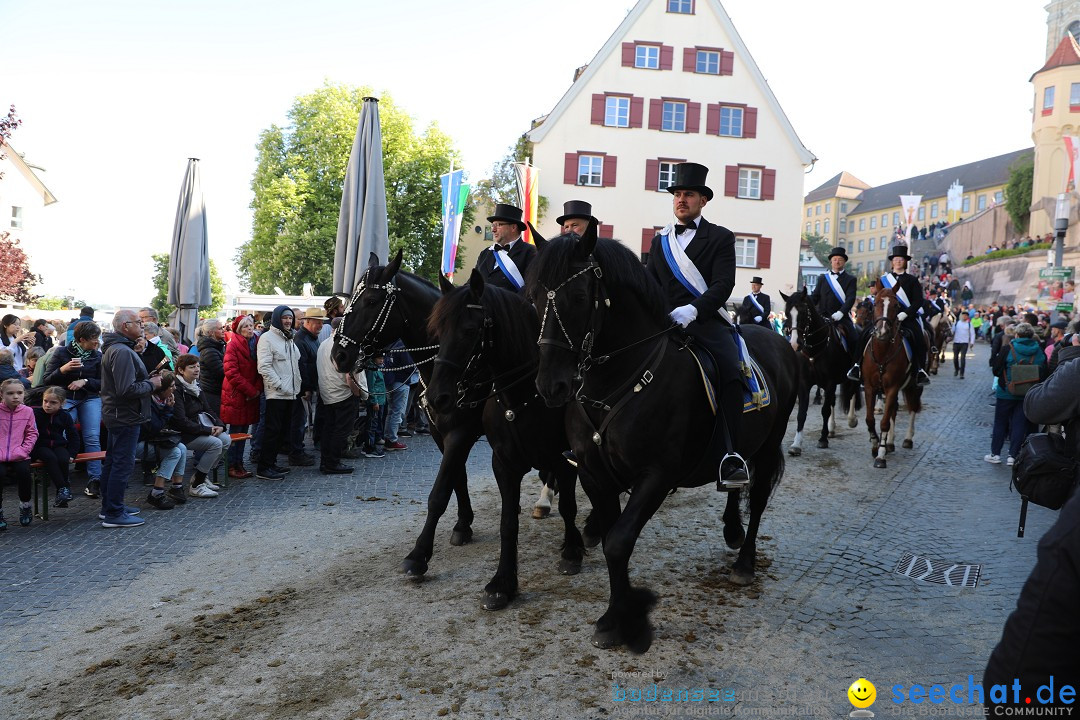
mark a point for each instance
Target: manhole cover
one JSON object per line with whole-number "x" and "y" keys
{"x": 941, "y": 572}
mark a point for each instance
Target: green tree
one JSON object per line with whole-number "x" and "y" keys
{"x": 819, "y": 245}
{"x": 298, "y": 182}
{"x": 161, "y": 284}
{"x": 501, "y": 187}
{"x": 51, "y": 303}
{"x": 1018, "y": 193}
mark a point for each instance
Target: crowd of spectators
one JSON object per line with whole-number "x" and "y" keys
{"x": 183, "y": 413}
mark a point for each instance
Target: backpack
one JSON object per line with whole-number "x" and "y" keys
{"x": 1044, "y": 473}
{"x": 1021, "y": 376}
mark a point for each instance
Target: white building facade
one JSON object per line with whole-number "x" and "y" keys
{"x": 676, "y": 83}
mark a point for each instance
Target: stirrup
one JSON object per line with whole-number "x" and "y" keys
{"x": 570, "y": 457}
{"x": 922, "y": 378}
{"x": 738, "y": 479}
{"x": 855, "y": 373}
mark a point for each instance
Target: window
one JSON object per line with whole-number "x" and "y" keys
{"x": 817, "y": 209}
{"x": 1048, "y": 100}
{"x": 922, "y": 213}
{"x": 862, "y": 224}
{"x": 882, "y": 265}
{"x": 817, "y": 227}
{"x": 590, "y": 170}
{"x": 933, "y": 211}
{"x": 807, "y": 228}
{"x": 884, "y": 219}
{"x": 674, "y": 118}
{"x": 746, "y": 252}
{"x": 981, "y": 200}
{"x": 966, "y": 207}
{"x": 999, "y": 197}
{"x": 708, "y": 62}
{"x": 731, "y": 121}
{"x": 872, "y": 241}
{"x": 843, "y": 225}
{"x": 828, "y": 208}
{"x": 16, "y": 216}
{"x": 843, "y": 206}
{"x": 686, "y": 7}
{"x": 488, "y": 234}
{"x": 750, "y": 183}
{"x": 667, "y": 175}
{"x": 826, "y": 226}
{"x": 896, "y": 219}
{"x": 647, "y": 56}
{"x": 858, "y": 268}
{"x": 809, "y": 212}
{"x": 617, "y": 112}
{"x": 873, "y": 222}
{"x": 861, "y": 248}
{"x": 1074, "y": 96}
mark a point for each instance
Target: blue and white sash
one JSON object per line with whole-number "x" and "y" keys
{"x": 682, "y": 267}
{"x": 753, "y": 300}
{"x": 838, "y": 291}
{"x": 888, "y": 281}
{"x": 509, "y": 268}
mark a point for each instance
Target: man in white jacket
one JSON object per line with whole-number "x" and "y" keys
{"x": 279, "y": 365}
{"x": 963, "y": 338}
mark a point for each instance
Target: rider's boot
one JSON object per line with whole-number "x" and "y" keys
{"x": 734, "y": 473}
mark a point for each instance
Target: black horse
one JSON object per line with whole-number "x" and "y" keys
{"x": 488, "y": 357}
{"x": 823, "y": 361}
{"x": 389, "y": 304}
{"x": 640, "y": 420}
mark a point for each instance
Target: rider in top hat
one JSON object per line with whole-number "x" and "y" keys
{"x": 757, "y": 304}
{"x": 835, "y": 294}
{"x": 576, "y": 216}
{"x": 505, "y": 263}
{"x": 909, "y": 295}
{"x": 694, "y": 262}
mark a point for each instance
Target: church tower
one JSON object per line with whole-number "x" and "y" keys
{"x": 1063, "y": 16}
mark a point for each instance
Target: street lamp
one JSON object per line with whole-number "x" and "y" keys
{"x": 1061, "y": 225}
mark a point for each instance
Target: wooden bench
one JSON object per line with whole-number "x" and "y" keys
{"x": 233, "y": 437}
{"x": 41, "y": 485}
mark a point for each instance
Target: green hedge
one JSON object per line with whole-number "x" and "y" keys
{"x": 1008, "y": 253}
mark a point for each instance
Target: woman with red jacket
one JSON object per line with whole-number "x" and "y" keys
{"x": 240, "y": 390}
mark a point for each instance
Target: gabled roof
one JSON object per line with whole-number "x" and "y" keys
{"x": 973, "y": 176}
{"x": 1067, "y": 53}
{"x": 613, "y": 43}
{"x": 835, "y": 186}
{"x": 27, "y": 172}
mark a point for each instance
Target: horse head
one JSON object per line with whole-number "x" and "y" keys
{"x": 799, "y": 313}
{"x": 369, "y": 321}
{"x": 886, "y": 310}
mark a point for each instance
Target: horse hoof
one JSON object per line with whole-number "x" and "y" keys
{"x": 606, "y": 639}
{"x": 890, "y": 448}
{"x": 823, "y": 443}
{"x": 734, "y": 535}
{"x": 539, "y": 513}
{"x": 879, "y": 462}
{"x": 496, "y": 600}
{"x": 414, "y": 569}
{"x": 852, "y": 423}
{"x": 907, "y": 444}
{"x": 461, "y": 537}
{"x": 741, "y": 577}
{"x": 832, "y": 433}
{"x": 569, "y": 567}
{"x": 794, "y": 451}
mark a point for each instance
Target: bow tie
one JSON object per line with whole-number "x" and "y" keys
{"x": 834, "y": 274}
{"x": 679, "y": 229}
{"x": 501, "y": 248}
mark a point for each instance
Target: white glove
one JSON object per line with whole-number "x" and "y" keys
{"x": 837, "y": 315}
{"x": 684, "y": 314}
{"x": 757, "y": 318}
{"x": 902, "y": 316}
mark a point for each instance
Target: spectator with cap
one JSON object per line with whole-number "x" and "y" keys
{"x": 1055, "y": 341}
{"x": 1009, "y": 407}
{"x": 335, "y": 308}
{"x": 307, "y": 341}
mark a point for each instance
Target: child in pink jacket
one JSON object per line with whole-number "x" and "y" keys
{"x": 18, "y": 433}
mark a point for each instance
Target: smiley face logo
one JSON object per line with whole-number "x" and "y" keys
{"x": 862, "y": 693}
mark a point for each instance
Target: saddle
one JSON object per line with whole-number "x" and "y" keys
{"x": 756, "y": 393}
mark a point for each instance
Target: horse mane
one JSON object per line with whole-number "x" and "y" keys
{"x": 624, "y": 275}
{"x": 515, "y": 321}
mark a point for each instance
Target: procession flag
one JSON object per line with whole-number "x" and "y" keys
{"x": 910, "y": 205}
{"x": 528, "y": 193}
{"x": 454, "y": 196}
{"x": 954, "y": 201}
{"x": 1072, "y": 149}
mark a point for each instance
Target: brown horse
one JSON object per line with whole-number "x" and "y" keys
{"x": 887, "y": 370}
{"x": 942, "y": 336}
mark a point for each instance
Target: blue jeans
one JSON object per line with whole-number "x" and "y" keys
{"x": 168, "y": 459}
{"x": 236, "y": 450}
{"x": 375, "y": 423}
{"x": 88, "y": 414}
{"x": 395, "y": 412}
{"x": 118, "y": 466}
{"x": 1009, "y": 414}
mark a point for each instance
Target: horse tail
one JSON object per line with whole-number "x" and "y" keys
{"x": 913, "y": 398}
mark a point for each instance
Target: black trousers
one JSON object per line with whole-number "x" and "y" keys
{"x": 719, "y": 339}
{"x": 56, "y": 464}
{"x": 959, "y": 356}
{"x": 276, "y": 425}
{"x": 338, "y": 419}
{"x": 21, "y": 470}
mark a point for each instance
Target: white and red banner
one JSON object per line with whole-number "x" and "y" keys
{"x": 910, "y": 206}
{"x": 1072, "y": 150}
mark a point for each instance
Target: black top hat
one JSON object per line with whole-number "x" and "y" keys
{"x": 899, "y": 251}
{"x": 838, "y": 252}
{"x": 576, "y": 209}
{"x": 757, "y": 280}
{"x": 507, "y": 213}
{"x": 691, "y": 176}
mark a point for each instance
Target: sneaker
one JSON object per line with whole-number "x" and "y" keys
{"x": 128, "y": 510}
{"x": 422, "y": 431}
{"x": 301, "y": 460}
{"x": 396, "y": 445}
{"x": 994, "y": 459}
{"x": 280, "y": 470}
{"x": 1010, "y": 460}
{"x": 161, "y": 502}
{"x": 338, "y": 469}
{"x": 176, "y": 494}
{"x": 26, "y": 516}
{"x": 404, "y": 433}
{"x": 121, "y": 521}
{"x": 201, "y": 491}
{"x": 63, "y": 497}
{"x": 208, "y": 483}
{"x": 93, "y": 489}
{"x": 373, "y": 452}
{"x": 380, "y": 441}
{"x": 269, "y": 473}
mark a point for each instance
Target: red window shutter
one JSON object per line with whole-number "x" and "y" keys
{"x": 764, "y": 252}
{"x": 647, "y": 234}
{"x": 768, "y": 184}
{"x": 712, "y": 120}
{"x": 749, "y": 124}
{"x": 652, "y": 174}
{"x": 637, "y": 111}
{"x": 605, "y": 231}
{"x": 599, "y": 100}
{"x": 727, "y": 62}
{"x": 731, "y": 178}
{"x": 667, "y": 57}
{"x": 656, "y": 114}
{"x": 629, "y": 50}
{"x": 609, "y": 171}
{"x": 693, "y": 117}
{"x": 689, "y": 59}
{"x": 570, "y": 169}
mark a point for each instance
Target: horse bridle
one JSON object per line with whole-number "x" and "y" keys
{"x": 471, "y": 369}
{"x": 809, "y": 347}
{"x": 584, "y": 351}
{"x": 366, "y": 344}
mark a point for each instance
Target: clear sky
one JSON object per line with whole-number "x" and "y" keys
{"x": 116, "y": 94}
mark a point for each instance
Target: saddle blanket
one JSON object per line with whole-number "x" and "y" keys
{"x": 756, "y": 393}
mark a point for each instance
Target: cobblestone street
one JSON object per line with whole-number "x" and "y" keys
{"x": 827, "y": 609}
